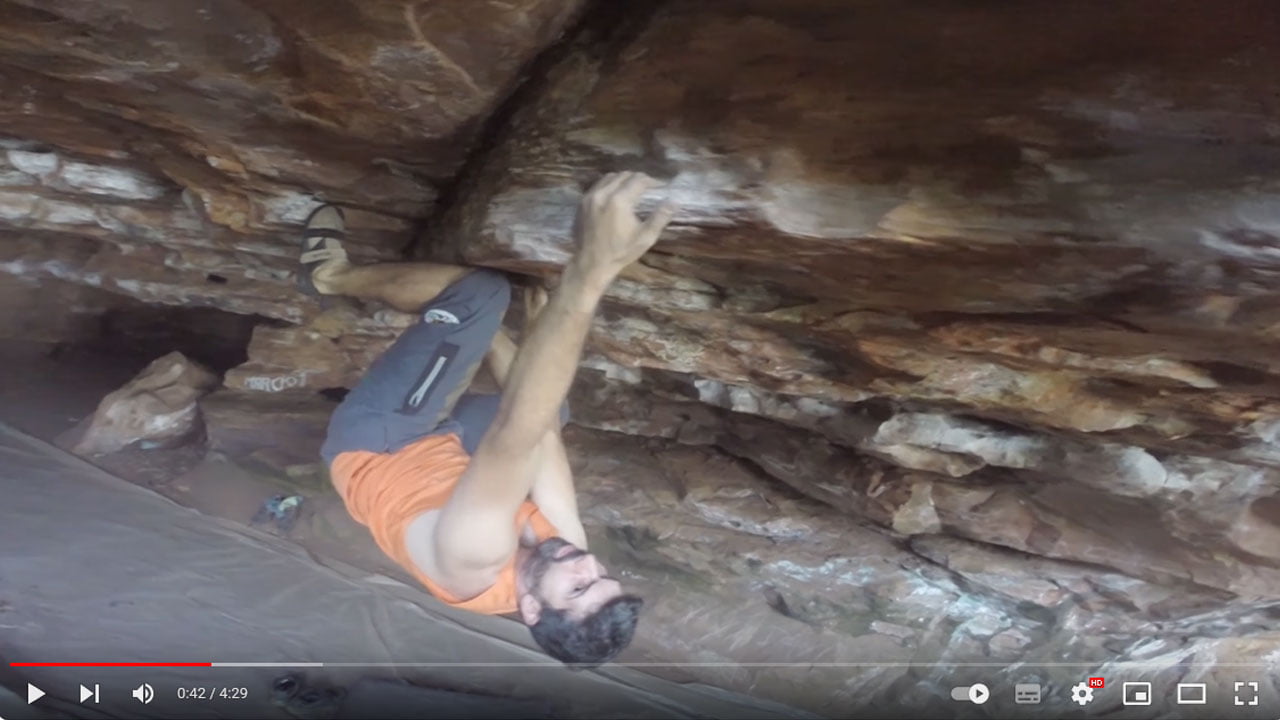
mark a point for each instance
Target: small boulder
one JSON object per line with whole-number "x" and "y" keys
{"x": 157, "y": 408}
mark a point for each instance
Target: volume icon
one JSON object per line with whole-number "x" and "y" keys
{"x": 144, "y": 693}
{"x": 86, "y": 693}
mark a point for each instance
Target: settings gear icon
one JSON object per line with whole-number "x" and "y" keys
{"x": 1081, "y": 694}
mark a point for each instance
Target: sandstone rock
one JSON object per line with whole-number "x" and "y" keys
{"x": 281, "y": 430}
{"x": 360, "y": 97}
{"x": 157, "y": 407}
{"x": 161, "y": 251}
{"x": 906, "y": 248}
{"x": 133, "y": 123}
{"x": 1257, "y": 531}
{"x": 323, "y": 354}
{"x": 1069, "y": 504}
{"x": 737, "y": 568}
{"x": 1029, "y": 316}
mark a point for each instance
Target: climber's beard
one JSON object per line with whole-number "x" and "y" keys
{"x": 544, "y": 556}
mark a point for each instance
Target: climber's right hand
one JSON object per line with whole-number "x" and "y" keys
{"x": 611, "y": 235}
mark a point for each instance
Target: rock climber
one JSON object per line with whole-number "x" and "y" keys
{"x": 472, "y": 493}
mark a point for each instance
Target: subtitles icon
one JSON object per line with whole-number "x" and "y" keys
{"x": 1137, "y": 693}
{"x": 1192, "y": 694}
{"x": 1026, "y": 693}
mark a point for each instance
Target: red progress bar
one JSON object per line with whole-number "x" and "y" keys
{"x": 100, "y": 664}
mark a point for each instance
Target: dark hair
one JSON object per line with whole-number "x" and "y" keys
{"x": 593, "y": 640}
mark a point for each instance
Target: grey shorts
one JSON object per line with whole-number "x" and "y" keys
{"x": 418, "y": 386}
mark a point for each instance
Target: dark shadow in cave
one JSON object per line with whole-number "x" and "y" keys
{"x": 50, "y": 386}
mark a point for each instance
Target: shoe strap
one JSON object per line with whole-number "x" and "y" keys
{"x": 323, "y": 254}
{"x": 320, "y": 232}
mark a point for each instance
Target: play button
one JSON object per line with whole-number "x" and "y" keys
{"x": 979, "y": 693}
{"x": 33, "y": 693}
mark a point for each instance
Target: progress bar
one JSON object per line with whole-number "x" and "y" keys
{"x": 165, "y": 664}
{"x": 108, "y": 664}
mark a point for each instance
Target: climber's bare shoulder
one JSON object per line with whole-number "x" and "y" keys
{"x": 465, "y": 566}
{"x": 472, "y": 537}
{"x": 461, "y": 579}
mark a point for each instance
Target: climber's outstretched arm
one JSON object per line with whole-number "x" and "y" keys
{"x": 552, "y": 489}
{"x": 475, "y": 525}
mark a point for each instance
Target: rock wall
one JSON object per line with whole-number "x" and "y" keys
{"x": 961, "y": 347}
{"x": 995, "y": 284}
{"x": 187, "y": 140}
{"x": 1027, "y": 275}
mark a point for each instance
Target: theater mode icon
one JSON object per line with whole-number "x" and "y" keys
{"x": 1193, "y": 694}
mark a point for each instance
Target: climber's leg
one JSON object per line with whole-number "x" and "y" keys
{"x": 325, "y": 270}
{"x": 410, "y": 391}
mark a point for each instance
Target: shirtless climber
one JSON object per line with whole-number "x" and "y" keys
{"x": 472, "y": 493}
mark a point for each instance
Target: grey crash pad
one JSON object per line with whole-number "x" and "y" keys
{"x": 95, "y": 569}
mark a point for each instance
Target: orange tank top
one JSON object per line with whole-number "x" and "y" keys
{"x": 387, "y": 491}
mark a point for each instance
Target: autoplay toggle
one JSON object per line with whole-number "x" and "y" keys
{"x": 976, "y": 693}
